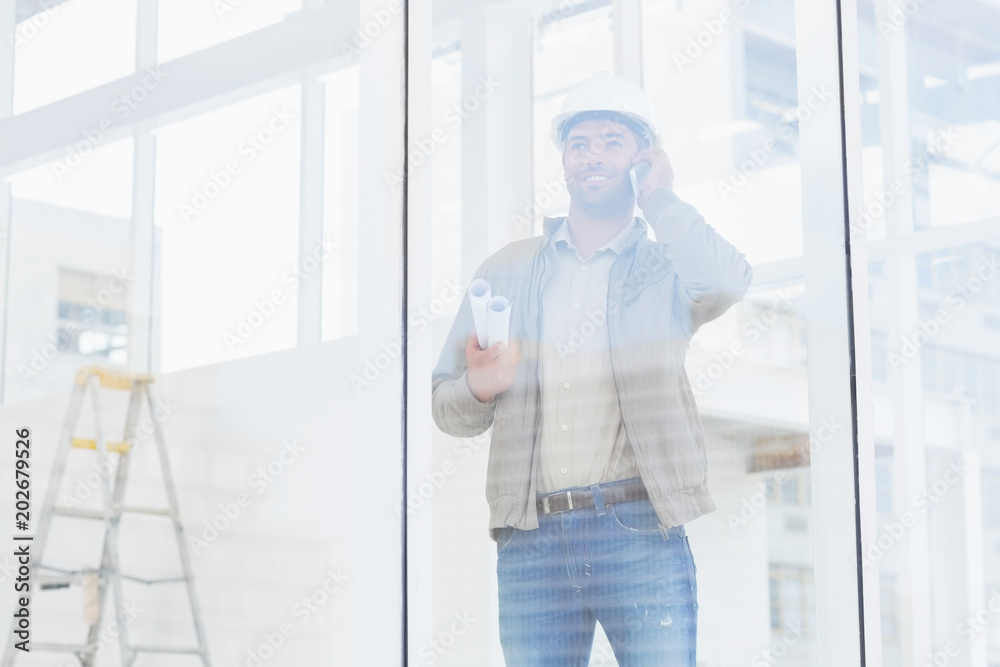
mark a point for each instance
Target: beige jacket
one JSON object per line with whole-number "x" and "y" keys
{"x": 658, "y": 295}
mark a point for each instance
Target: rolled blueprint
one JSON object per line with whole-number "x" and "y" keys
{"x": 499, "y": 320}
{"x": 479, "y": 298}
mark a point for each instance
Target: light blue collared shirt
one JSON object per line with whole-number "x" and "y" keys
{"x": 583, "y": 439}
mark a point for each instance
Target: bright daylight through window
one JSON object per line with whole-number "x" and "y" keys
{"x": 503, "y": 333}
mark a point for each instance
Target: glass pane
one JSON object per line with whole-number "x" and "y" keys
{"x": 191, "y": 251}
{"x": 186, "y": 26}
{"x": 729, "y": 110}
{"x": 68, "y": 300}
{"x": 340, "y": 205}
{"x": 96, "y": 181}
{"x": 931, "y": 136}
{"x": 227, "y": 193}
{"x": 55, "y": 54}
{"x": 948, "y": 174}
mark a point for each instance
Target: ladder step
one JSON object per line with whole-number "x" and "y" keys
{"x": 78, "y": 513}
{"x": 88, "y": 443}
{"x": 108, "y": 578}
{"x": 60, "y": 648}
{"x": 156, "y": 511}
{"x": 66, "y": 574}
{"x": 149, "y": 582}
{"x": 111, "y": 378}
{"x": 165, "y": 649}
{"x": 54, "y": 585}
{"x": 70, "y": 578}
{"x": 99, "y": 514}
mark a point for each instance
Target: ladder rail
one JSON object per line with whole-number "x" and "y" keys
{"x": 121, "y": 480}
{"x": 109, "y": 552}
{"x": 110, "y": 574}
{"x": 182, "y": 547}
{"x": 51, "y": 496}
{"x": 101, "y": 445}
{"x": 89, "y": 656}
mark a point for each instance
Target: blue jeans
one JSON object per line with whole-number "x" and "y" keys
{"x": 607, "y": 564}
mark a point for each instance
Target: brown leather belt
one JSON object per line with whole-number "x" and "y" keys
{"x": 564, "y": 501}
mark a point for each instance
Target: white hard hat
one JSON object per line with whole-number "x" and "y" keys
{"x": 606, "y": 95}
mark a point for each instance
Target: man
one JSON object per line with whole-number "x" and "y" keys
{"x": 597, "y": 456}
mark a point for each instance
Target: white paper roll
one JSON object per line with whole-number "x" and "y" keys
{"x": 499, "y": 320}
{"x": 479, "y": 297}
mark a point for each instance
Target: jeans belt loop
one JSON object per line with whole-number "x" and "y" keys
{"x": 598, "y": 500}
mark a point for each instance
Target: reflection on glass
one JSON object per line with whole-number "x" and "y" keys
{"x": 931, "y": 133}
{"x": 186, "y": 26}
{"x": 597, "y": 455}
{"x": 340, "y": 204}
{"x": 87, "y": 326}
{"x": 192, "y": 248}
{"x": 69, "y": 258}
{"x": 227, "y": 187}
{"x": 54, "y": 48}
{"x": 92, "y": 179}
{"x": 747, "y": 369}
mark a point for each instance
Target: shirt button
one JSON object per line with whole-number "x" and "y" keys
{"x": 583, "y": 267}
{"x": 563, "y": 470}
{"x": 564, "y": 427}
{"x": 565, "y": 385}
{"x": 576, "y": 304}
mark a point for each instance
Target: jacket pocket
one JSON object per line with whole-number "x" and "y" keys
{"x": 693, "y": 421}
{"x": 631, "y": 297}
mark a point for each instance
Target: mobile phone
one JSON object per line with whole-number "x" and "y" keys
{"x": 638, "y": 175}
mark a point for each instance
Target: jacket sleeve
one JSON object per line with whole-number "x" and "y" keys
{"x": 456, "y": 410}
{"x": 713, "y": 273}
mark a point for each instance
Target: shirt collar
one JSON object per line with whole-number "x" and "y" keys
{"x": 558, "y": 230}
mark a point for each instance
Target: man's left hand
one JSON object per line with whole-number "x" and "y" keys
{"x": 661, "y": 174}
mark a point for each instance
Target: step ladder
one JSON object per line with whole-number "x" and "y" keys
{"x": 92, "y": 379}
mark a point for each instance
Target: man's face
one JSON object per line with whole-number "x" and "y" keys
{"x": 596, "y": 161}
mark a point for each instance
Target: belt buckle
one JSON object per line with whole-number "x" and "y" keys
{"x": 569, "y": 502}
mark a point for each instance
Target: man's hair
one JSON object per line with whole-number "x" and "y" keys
{"x": 642, "y": 137}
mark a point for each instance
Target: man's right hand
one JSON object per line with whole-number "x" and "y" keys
{"x": 490, "y": 371}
